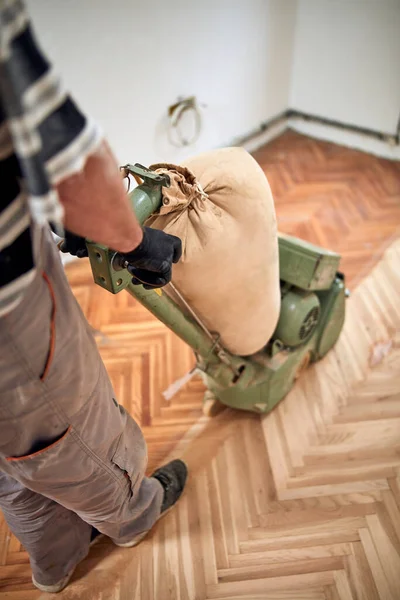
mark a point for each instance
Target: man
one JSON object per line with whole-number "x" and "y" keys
{"x": 72, "y": 461}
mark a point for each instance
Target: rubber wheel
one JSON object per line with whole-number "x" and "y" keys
{"x": 211, "y": 405}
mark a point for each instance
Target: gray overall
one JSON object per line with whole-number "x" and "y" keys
{"x": 70, "y": 456}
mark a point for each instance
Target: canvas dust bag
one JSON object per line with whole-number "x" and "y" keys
{"x": 220, "y": 205}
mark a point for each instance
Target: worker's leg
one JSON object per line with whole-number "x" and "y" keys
{"x": 45, "y": 529}
{"x": 62, "y": 433}
{"x": 92, "y": 462}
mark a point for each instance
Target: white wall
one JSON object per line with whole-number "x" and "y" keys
{"x": 246, "y": 60}
{"x": 126, "y": 61}
{"x": 346, "y": 61}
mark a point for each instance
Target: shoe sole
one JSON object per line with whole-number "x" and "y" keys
{"x": 55, "y": 588}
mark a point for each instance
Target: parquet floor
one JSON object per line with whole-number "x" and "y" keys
{"x": 336, "y": 197}
{"x": 303, "y": 504}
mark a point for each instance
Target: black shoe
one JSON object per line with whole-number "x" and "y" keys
{"x": 173, "y": 478}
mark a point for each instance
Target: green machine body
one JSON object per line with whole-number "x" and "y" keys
{"x": 311, "y": 318}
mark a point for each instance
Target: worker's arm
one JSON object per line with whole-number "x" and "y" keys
{"x": 96, "y": 205}
{"x": 58, "y": 170}
{"x": 58, "y": 149}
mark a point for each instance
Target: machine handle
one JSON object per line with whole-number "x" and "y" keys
{"x": 146, "y": 199}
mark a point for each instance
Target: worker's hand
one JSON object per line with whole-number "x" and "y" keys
{"x": 151, "y": 262}
{"x": 74, "y": 244}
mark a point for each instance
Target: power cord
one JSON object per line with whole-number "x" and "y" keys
{"x": 176, "y": 136}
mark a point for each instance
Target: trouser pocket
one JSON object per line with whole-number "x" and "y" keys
{"x": 38, "y": 448}
{"x": 70, "y": 473}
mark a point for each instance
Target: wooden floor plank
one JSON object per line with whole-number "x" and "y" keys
{"x": 303, "y": 504}
{"x": 343, "y": 586}
{"x": 294, "y": 583}
{"x": 375, "y": 565}
{"x": 359, "y": 574}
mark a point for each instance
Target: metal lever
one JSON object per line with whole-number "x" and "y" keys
{"x": 192, "y": 312}
{"x": 214, "y": 338}
{"x": 149, "y": 177}
{"x": 118, "y": 263}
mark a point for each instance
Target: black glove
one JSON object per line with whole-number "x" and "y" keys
{"x": 74, "y": 244}
{"x": 151, "y": 262}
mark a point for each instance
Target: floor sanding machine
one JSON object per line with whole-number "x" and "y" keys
{"x": 311, "y": 317}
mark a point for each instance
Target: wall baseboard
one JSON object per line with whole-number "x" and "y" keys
{"x": 386, "y": 145}
{"x": 261, "y": 138}
{"x": 345, "y": 137}
{"x": 392, "y": 139}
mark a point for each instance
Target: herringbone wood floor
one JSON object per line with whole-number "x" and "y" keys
{"x": 336, "y": 197}
{"x": 303, "y": 504}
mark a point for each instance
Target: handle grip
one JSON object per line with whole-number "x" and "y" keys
{"x": 145, "y": 199}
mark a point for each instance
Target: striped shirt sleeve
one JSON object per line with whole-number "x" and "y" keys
{"x": 44, "y": 138}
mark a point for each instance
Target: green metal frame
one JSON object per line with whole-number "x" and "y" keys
{"x": 255, "y": 383}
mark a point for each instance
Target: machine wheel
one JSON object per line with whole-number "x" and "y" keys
{"x": 305, "y": 361}
{"x": 211, "y": 405}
